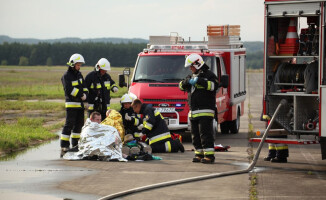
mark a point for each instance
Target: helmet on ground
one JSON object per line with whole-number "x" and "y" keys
{"x": 126, "y": 98}
{"x": 194, "y": 60}
{"x": 103, "y": 64}
{"x": 75, "y": 58}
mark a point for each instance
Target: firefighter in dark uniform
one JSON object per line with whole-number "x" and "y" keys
{"x": 156, "y": 129}
{"x": 99, "y": 84}
{"x": 201, "y": 88}
{"x": 131, "y": 121}
{"x": 277, "y": 153}
{"x": 75, "y": 93}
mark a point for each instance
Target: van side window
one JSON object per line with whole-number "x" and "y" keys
{"x": 221, "y": 66}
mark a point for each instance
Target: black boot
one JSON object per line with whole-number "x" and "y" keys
{"x": 268, "y": 158}
{"x": 64, "y": 150}
{"x": 279, "y": 160}
{"x": 208, "y": 160}
{"x": 197, "y": 158}
{"x": 73, "y": 149}
{"x": 180, "y": 146}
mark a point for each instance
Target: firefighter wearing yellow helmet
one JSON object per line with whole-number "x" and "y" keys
{"x": 75, "y": 93}
{"x": 131, "y": 121}
{"x": 201, "y": 88}
{"x": 100, "y": 85}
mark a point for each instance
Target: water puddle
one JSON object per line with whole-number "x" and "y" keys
{"x": 35, "y": 173}
{"x": 245, "y": 165}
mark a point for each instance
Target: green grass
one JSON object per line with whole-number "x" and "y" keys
{"x": 41, "y": 82}
{"x": 253, "y": 190}
{"x": 23, "y": 133}
{"x": 23, "y": 128}
{"x": 38, "y": 105}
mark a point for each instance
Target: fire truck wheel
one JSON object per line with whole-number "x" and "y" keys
{"x": 235, "y": 124}
{"x": 225, "y": 127}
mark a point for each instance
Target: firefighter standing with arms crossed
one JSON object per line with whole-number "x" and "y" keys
{"x": 75, "y": 94}
{"x": 99, "y": 84}
{"x": 201, "y": 88}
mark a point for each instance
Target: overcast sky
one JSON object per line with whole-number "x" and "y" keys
{"x": 52, "y": 19}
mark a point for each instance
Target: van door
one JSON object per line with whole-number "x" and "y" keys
{"x": 222, "y": 97}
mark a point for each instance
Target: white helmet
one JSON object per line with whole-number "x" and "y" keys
{"x": 103, "y": 64}
{"x": 194, "y": 60}
{"x": 75, "y": 58}
{"x": 126, "y": 98}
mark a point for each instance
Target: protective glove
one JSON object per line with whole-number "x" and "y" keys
{"x": 193, "y": 81}
{"x": 140, "y": 127}
{"x": 83, "y": 97}
{"x": 141, "y": 135}
{"x": 115, "y": 89}
{"x": 186, "y": 80}
{"x": 127, "y": 117}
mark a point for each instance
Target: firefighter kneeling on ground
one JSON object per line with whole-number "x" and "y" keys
{"x": 131, "y": 122}
{"x": 201, "y": 88}
{"x": 156, "y": 129}
{"x": 75, "y": 93}
{"x": 99, "y": 84}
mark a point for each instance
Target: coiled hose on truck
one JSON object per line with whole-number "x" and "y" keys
{"x": 204, "y": 177}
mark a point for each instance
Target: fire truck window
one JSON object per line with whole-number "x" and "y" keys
{"x": 218, "y": 66}
{"x": 210, "y": 61}
{"x": 166, "y": 69}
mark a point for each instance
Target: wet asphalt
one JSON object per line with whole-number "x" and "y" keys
{"x": 34, "y": 174}
{"x": 39, "y": 173}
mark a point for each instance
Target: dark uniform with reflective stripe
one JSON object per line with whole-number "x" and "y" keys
{"x": 157, "y": 131}
{"x": 202, "y": 102}
{"x": 280, "y": 151}
{"x": 73, "y": 84}
{"x": 99, "y": 92}
{"x": 131, "y": 126}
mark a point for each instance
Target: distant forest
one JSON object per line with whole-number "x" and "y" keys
{"x": 123, "y": 54}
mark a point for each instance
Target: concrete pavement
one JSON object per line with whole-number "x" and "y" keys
{"x": 303, "y": 177}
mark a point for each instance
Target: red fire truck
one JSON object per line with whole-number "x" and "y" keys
{"x": 160, "y": 67}
{"x": 294, "y": 70}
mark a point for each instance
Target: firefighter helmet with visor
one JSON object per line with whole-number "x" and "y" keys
{"x": 194, "y": 60}
{"x": 126, "y": 98}
{"x": 103, "y": 64}
{"x": 75, "y": 58}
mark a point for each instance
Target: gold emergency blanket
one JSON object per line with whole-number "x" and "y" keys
{"x": 115, "y": 119}
{"x": 98, "y": 140}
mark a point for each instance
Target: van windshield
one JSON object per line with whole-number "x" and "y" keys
{"x": 165, "y": 69}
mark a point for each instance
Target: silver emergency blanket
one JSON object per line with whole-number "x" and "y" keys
{"x": 98, "y": 140}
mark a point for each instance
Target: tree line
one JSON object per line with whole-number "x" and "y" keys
{"x": 119, "y": 54}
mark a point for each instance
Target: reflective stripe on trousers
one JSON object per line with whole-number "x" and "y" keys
{"x": 168, "y": 146}
{"x": 160, "y": 137}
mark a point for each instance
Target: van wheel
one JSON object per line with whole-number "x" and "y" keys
{"x": 215, "y": 128}
{"x": 224, "y": 127}
{"x": 235, "y": 124}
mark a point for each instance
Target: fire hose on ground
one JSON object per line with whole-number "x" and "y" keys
{"x": 204, "y": 177}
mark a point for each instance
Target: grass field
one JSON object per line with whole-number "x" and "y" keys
{"x": 41, "y": 82}
{"x": 25, "y": 117}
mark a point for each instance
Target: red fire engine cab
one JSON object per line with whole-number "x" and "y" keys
{"x": 294, "y": 70}
{"x": 160, "y": 67}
